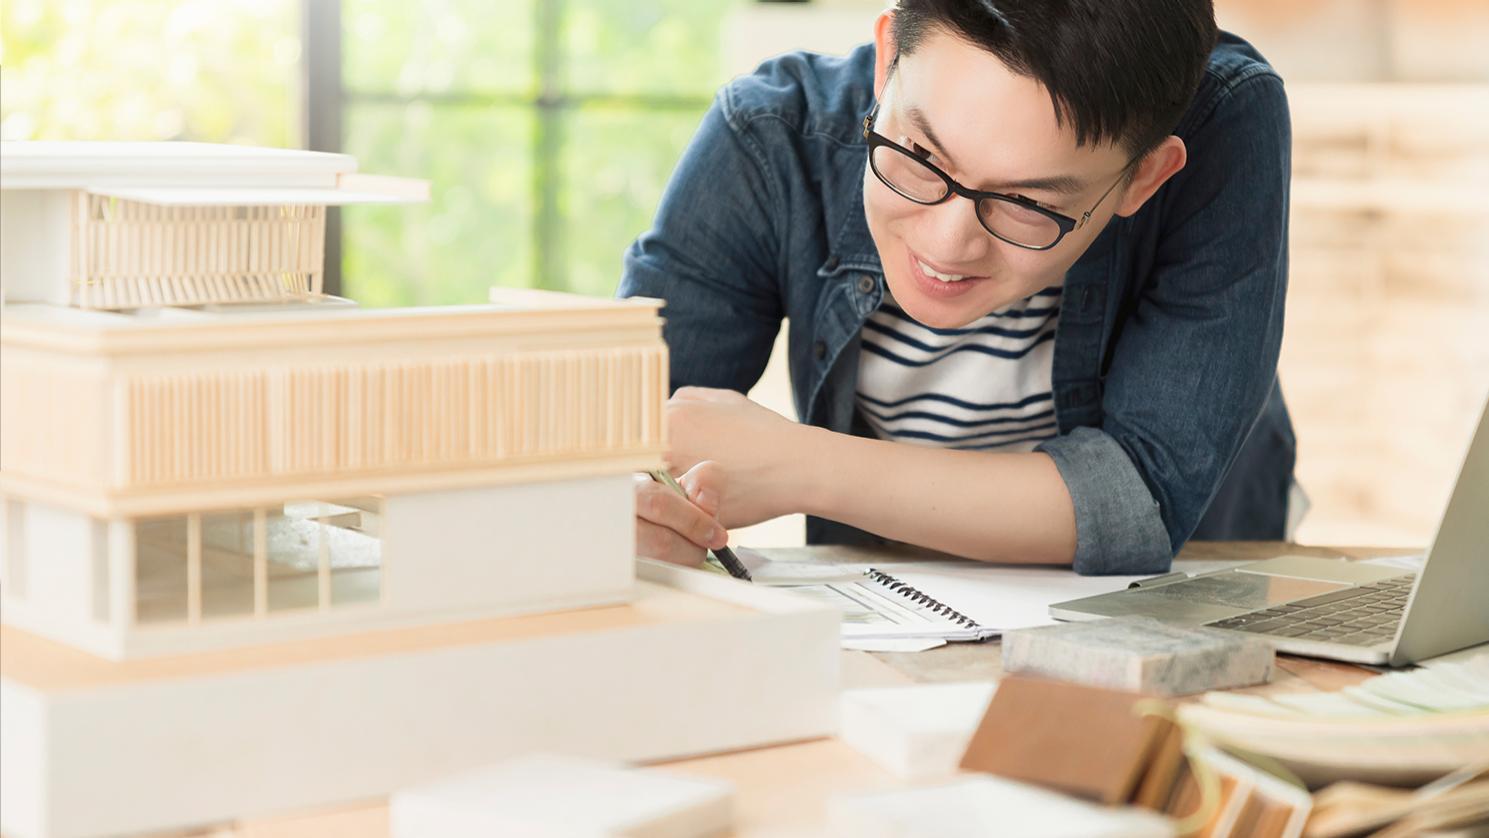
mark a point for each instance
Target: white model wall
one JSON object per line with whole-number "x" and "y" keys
{"x": 741, "y": 666}
{"x": 34, "y": 239}
{"x": 59, "y": 546}
{"x": 510, "y": 548}
{"x": 57, "y": 552}
{"x": 446, "y": 555}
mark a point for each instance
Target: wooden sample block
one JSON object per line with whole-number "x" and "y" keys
{"x": 1085, "y": 741}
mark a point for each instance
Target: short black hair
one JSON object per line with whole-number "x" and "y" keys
{"x": 1120, "y": 71}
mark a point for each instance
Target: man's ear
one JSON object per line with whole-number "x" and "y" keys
{"x": 1156, "y": 167}
{"x": 884, "y": 52}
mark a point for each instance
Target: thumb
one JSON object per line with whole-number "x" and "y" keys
{"x": 704, "y": 484}
{"x": 705, "y": 394}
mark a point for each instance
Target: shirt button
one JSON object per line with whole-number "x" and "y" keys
{"x": 820, "y": 349}
{"x": 866, "y": 284}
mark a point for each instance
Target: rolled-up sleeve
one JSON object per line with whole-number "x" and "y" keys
{"x": 1197, "y": 353}
{"x": 1119, "y": 528}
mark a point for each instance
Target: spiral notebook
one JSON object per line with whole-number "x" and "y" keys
{"x": 879, "y": 606}
{"x": 953, "y": 600}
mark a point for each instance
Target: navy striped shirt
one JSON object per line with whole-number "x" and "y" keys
{"x": 982, "y": 387}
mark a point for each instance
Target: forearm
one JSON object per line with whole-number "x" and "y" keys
{"x": 1004, "y": 507}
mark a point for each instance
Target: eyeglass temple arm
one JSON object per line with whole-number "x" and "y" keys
{"x": 1087, "y": 215}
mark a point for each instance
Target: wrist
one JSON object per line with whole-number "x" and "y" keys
{"x": 806, "y": 469}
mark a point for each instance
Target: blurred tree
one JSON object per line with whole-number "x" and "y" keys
{"x": 212, "y": 70}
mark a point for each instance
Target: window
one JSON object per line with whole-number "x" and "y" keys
{"x": 548, "y": 131}
{"x": 354, "y": 552}
{"x": 323, "y": 554}
{"x": 227, "y": 564}
{"x": 99, "y": 559}
{"x": 160, "y": 566}
{"x": 293, "y": 550}
{"x": 300, "y": 556}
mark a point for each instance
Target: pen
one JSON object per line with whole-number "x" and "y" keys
{"x": 1159, "y": 580}
{"x": 725, "y": 556}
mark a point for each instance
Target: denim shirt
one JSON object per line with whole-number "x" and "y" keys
{"x": 1171, "y": 423}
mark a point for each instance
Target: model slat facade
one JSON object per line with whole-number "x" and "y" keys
{"x": 155, "y": 420}
{"x": 128, "y": 254}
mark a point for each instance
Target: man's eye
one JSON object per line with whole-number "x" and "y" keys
{"x": 1026, "y": 199}
{"x": 919, "y": 150}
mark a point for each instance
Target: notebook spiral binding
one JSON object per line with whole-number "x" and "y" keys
{"x": 920, "y": 598}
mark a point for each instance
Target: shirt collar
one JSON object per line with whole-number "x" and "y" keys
{"x": 850, "y": 246}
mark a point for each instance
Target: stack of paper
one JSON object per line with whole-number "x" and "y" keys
{"x": 1457, "y": 801}
{"x": 545, "y": 796}
{"x": 984, "y": 805}
{"x": 915, "y": 731}
{"x": 1402, "y": 728}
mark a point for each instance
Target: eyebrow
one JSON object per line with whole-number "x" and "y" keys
{"x": 1059, "y": 184}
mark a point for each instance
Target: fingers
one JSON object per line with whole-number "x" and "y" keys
{"x": 664, "y": 507}
{"x": 657, "y": 542}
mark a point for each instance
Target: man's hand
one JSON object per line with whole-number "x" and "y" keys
{"x": 753, "y": 448}
{"x": 744, "y": 464}
{"x": 679, "y": 529}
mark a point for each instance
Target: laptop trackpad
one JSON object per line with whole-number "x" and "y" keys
{"x": 1248, "y": 591}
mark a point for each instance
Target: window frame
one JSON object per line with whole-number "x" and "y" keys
{"x": 326, "y": 99}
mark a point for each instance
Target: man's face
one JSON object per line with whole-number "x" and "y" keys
{"x": 991, "y": 130}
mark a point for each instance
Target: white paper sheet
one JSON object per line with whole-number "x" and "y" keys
{"x": 1001, "y": 596}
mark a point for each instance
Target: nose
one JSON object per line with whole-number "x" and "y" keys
{"x": 949, "y": 232}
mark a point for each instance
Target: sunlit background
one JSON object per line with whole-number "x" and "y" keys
{"x": 549, "y": 127}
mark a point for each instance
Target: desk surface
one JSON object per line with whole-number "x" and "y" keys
{"x": 783, "y": 791}
{"x": 984, "y": 661}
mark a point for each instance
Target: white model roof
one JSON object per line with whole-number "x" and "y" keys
{"x": 200, "y": 174}
{"x": 81, "y": 165}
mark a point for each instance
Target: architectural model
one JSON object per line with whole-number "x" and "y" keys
{"x": 263, "y": 549}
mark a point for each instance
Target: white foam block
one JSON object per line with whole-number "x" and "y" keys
{"x": 1140, "y": 654}
{"x": 986, "y": 805}
{"x": 551, "y": 796}
{"x": 915, "y": 731}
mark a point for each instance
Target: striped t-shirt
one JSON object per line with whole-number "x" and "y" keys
{"x": 982, "y": 387}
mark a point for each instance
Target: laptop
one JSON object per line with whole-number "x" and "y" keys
{"x": 1337, "y": 609}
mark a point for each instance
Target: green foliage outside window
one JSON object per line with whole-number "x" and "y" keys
{"x": 210, "y": 70}
{"x": 547, "y": 127}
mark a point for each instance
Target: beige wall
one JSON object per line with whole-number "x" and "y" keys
{"x": 1386, "y": 356}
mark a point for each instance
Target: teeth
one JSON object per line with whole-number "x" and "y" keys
{"x": 932, "y": 272}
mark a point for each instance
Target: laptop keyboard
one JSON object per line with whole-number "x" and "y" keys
{"x": 1361, "y": 616}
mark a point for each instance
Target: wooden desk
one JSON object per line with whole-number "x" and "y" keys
{"x": 783, "y": 791}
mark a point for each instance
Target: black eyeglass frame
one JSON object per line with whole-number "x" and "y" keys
{"x": 1066, "y": 224}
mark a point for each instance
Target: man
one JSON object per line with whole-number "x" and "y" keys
{"x": 1034, "y": 258}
